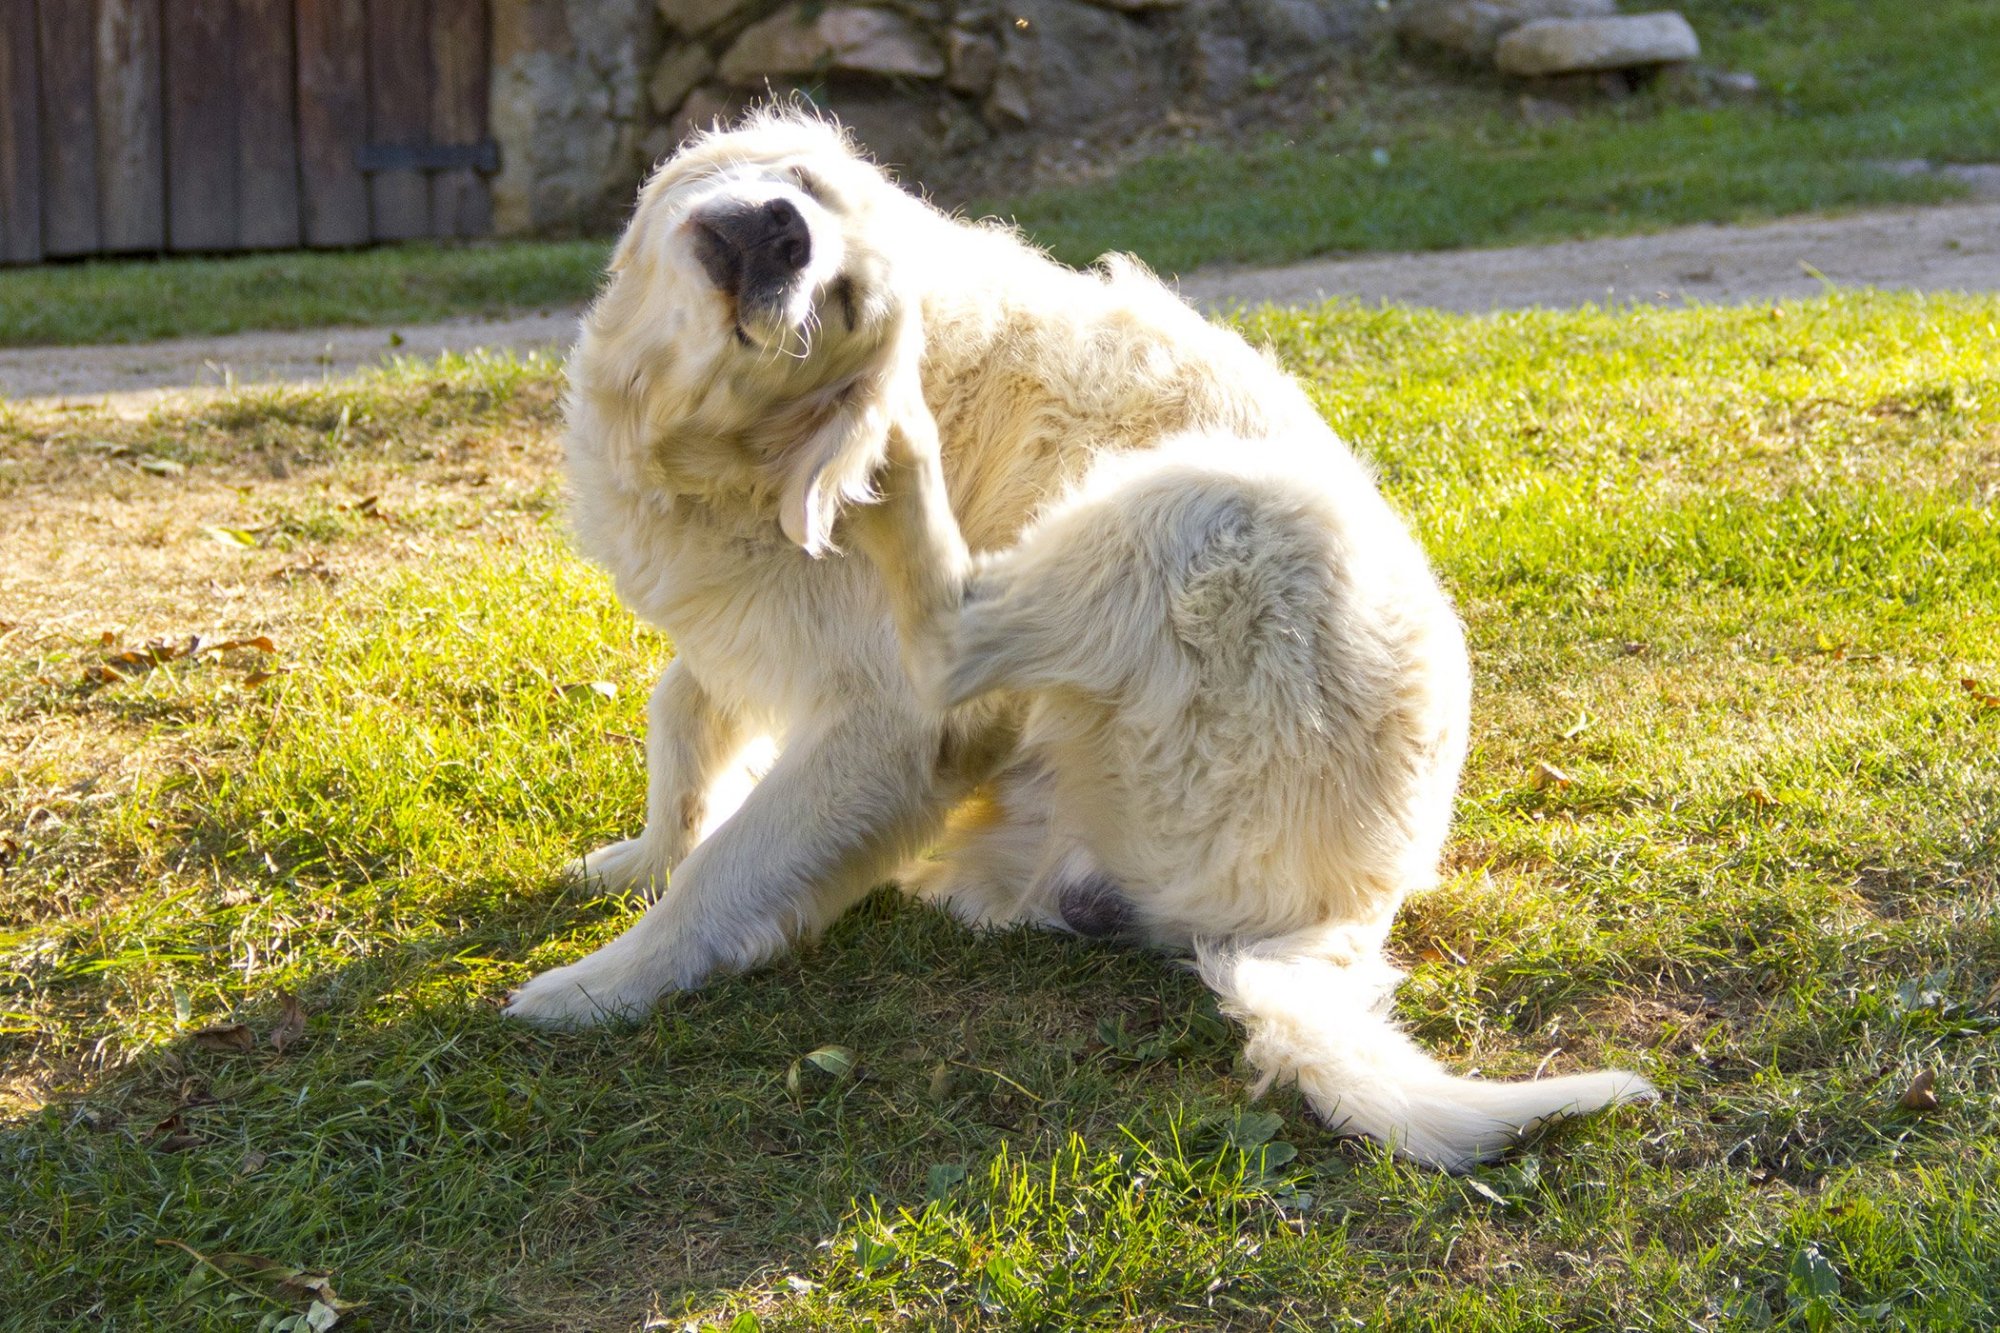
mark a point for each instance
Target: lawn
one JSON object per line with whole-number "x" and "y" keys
{"x": 1731, "y": 819}
{"x": 1848, "y": 87}
{"x": 1406, "y": 160}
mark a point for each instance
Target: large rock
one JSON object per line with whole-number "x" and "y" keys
{"x": 677, "y": 75}
{"x": 1472, "y": 28}
{"x": 1063, "y": 64}
{"x": 1582, "y": 46}
{"x": 568, "y": 108}
{"x": 694, "y": 16}
{"x": 842, "y": 39}
{"x": 1289, "y": 29}
{"x": 974, "y": 58}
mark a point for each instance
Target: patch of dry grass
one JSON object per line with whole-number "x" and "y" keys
{"x": 1730, "y": 818}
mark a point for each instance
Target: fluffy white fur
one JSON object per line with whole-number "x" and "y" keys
{"x": 1037, "y": 571}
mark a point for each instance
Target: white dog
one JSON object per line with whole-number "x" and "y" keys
{"x": 1198, "y": 688}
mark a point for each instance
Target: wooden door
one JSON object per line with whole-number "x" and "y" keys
{"x": 221, "y": 125}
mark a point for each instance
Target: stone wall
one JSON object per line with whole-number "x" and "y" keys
{"x": 568, "y": 108}
{"x": 587, "y": 94}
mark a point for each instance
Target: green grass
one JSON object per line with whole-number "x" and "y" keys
{"x": 1848, "y": 85}
{"x": 117, "y": 301}
{"x": 1726, "y": 569}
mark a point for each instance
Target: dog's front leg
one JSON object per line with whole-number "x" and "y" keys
{"x": 844, "y": 805}
{"x": 690, "y": 739}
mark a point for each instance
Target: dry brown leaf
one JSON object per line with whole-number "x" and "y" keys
{"x": 1760, "y": 795}
{"x": 291, "y": 1023}
{"x": 253, "y": 1162}
{"x": 1547, "y": 775}
{"x": 106, "y": 639}
{"x": 230, "y": 1037}
{"x": 1921, "y": 1094}
{"x": 259, "y": 677}
{"x": 171, "y": 1135}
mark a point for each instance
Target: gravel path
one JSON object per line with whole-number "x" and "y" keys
{"x": 1954, "y": 248}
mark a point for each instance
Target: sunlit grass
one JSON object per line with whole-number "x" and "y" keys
{"x": 1724, "y": 571}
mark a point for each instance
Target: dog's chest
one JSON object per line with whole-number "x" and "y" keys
{"x": 757, "y": 619}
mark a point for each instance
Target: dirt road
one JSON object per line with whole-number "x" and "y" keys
{"x": 1954, "y": 248}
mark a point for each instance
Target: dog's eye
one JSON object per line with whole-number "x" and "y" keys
{"x": 810, "y": 184}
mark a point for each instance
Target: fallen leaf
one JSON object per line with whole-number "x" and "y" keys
{"x": 106, "y": 639}
{"x": 1634, "y": 648}
{"x": 1921, "y": 1094}
{"x": 602, "y": 688}
{"x": 259, "y": 677}
{"x": 229, "y": 1037}
{"x": 1546, "y": 775}
{"x": 837, "y": 1061}
{"x": 1759, "y": 795}
{"x": 161, "y": 467}
{"x": 1577, "y": 728}
{"x": 171, "y": 1135}
{"x": 291, "y": 1023}
{"x": 253, "y": 1162}
{"x": 231, "y": 536}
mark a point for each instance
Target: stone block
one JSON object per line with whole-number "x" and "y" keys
{"x": 697, "y": 16}
{"x": 1472, "y": 28}
{"x": 1220, "y": 66}
{"x": 1578, "y": 46}
{"x": 1064, "y": 64}
{"x": 844, "y": 39}
{"x": 678, "y": 74}
{"x": 974, "y": 59}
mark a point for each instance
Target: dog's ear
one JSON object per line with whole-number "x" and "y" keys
{"x": 836, "y": 465}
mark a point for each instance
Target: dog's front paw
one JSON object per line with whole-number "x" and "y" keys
{"x": 633, "y": 866}
{"x": 585, "y": 993}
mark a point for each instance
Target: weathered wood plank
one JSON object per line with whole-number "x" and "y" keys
{"x": 20, "y": 136}
{"x": 333, "y": 120}
{"x": 68, "y": 38}
{"x": 131, "y": 127}
{"x": 399, "y": 113}
{"x": 202, "y": 120}
{"x": 267, "y": 146}
{"x": 461, "y": 201}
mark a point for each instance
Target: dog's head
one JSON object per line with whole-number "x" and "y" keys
{"x": 757, "y": 305}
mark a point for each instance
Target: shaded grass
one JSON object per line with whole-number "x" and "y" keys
{"x": 1849, "y": 86}
{"x": 1405, "y": 160}
{"x": 1725, "y": 569}
{"x": 122, "y": 300}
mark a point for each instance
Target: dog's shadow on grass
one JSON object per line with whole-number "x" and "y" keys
{"x": 445, "y": 1163}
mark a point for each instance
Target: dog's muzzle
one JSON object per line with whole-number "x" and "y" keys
{"x": 753, "y": 251}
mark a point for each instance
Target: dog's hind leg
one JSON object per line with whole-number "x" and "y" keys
{"x": 986, "y": 869}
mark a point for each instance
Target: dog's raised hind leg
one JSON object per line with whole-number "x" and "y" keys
{"x": 914, "y": 540}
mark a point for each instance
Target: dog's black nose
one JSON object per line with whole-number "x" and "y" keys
{"x": 751, "y": 249}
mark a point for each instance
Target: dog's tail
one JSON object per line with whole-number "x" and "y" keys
{"x": 1324, "y": 1024}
